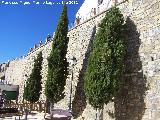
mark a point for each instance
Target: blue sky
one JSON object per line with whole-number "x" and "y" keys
{"x": 21, "y": 26}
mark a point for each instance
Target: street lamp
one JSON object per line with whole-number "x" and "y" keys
{"x": 25, "y": 80}
{"x": 72, "y": 64}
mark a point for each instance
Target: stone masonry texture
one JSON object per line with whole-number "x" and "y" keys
{"x": 139, "y": 96}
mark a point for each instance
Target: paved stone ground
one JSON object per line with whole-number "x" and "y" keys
{"x": 36, "y": 116}
{"x": 33, "y": 116}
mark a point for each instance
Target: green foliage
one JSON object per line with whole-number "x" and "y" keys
{"x": 33, "y": 87}
{"x": 57, "y": 62}
{"x": 105, "y": 66}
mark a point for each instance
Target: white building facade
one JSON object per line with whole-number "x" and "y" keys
{"x": 91, "y": 8}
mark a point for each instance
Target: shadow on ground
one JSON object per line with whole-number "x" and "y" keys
{"x": 129, "y": 103}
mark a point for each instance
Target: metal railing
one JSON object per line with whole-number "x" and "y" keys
{"x": 38, "y": 106}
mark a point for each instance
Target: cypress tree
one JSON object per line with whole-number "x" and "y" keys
{"x": 33, "y": 87}
{"x": 105, "y": 65}
{"x": 57, "y": 62}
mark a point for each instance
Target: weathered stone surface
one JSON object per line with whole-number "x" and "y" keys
{"x": 139, "y": 96}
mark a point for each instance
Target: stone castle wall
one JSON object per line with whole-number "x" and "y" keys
{"x": 20, "y": 69}
{"x": 138, "y": 98}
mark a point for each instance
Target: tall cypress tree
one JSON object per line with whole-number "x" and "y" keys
{"x": 105, "y": 66}
{"x": 57, "y": 62}
{"x": 33, "y": 87}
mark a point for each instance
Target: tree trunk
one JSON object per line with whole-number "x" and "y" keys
{"x": 99, "y": 114}
{"x": 47, "y": 106}
{"x": 31, "y": 107}
{"x": 51, "y": 109}
{"x": 26, "y": 113}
